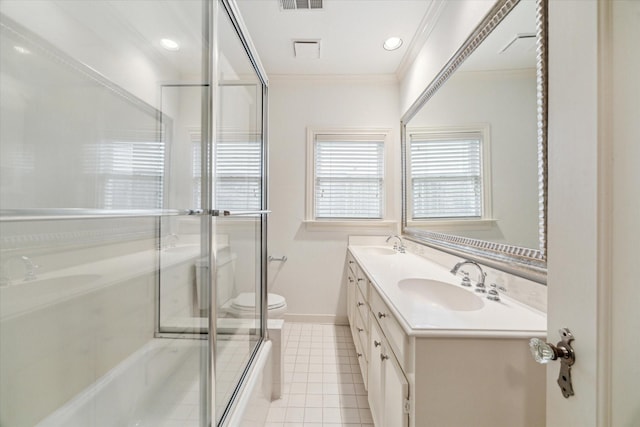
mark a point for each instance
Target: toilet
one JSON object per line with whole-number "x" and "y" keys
{"x": 244, "y": 305}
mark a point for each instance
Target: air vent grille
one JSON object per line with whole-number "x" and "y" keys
{"x": 300, "y": 4}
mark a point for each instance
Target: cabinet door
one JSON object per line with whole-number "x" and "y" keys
{"x": 396, "y": 391}
{"x": 351, "y": 296}
{"x": 376, "y": 389}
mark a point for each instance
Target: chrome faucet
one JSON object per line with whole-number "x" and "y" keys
{"x": 29, "y": 270}
{"x": 480, "y": 287}
{"x": 400, "y": 248}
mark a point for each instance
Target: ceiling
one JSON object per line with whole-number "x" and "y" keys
{"x": 351, "y": 33}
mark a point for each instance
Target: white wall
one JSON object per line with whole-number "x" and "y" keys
{"x": 311, "y": 279}
{"x": 455, "y": 24}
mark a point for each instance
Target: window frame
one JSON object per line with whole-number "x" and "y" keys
{"x": 454, "y": 132}
{"x": 357, "y": 134}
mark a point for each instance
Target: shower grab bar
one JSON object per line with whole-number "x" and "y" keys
{"x": 48, "y": 214}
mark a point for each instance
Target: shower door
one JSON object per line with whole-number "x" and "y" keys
{"x": 212, "y": 262}
{"x": 107, "y": 247}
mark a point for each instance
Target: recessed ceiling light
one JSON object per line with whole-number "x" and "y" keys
{"x": 392, "y": 43}
{"x": 22, "y": 50}
{"x": 170, "y": 44}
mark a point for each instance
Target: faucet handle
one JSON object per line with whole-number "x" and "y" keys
{"x": 465, "y": 280}
{"x": 480, "y": 286}
{"x": 493, "y": 293}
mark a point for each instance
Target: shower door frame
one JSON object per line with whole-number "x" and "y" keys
{"x": 230, "y": 7}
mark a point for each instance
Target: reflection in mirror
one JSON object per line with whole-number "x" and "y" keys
{"x": 471, "y": 145}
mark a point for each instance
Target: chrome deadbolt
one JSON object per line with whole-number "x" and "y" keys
{"x": 543, "y": 352}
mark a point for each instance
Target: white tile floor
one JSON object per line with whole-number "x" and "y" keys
{"x": 323, "y": 386}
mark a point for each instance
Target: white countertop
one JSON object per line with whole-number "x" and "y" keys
{"x": 57, "y": 286}
{"x": 506, "y": 318}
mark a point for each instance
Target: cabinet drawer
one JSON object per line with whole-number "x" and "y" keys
{"x": 361, "y": 334}
{"x": 363, "y": 283}
{"x": 351, "y": 263}
{"x": 390, "y": 327}
{"x": 360, "y": 305}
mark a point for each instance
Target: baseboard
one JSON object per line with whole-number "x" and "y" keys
{"x": 327, "y": 319}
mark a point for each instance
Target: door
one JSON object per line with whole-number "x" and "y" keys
{"x": 594, "y": 209}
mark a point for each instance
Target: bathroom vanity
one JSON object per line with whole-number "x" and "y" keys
{"x": 434, "y": 353}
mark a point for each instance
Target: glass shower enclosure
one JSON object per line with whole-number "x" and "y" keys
{"x": 132, "y": 212}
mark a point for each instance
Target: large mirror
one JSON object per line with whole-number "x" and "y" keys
{"x": 474, "y": 146}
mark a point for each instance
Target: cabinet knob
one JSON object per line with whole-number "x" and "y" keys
{"x": 381, "y": 315}
{"x": 359, "y": 304}
{"x": 350, "y": 262}
{"x": 350, "y": 280}
{"x": 360, "y": 279}
{"x": 383, "y": 357}
{"x": 376, "y": 343}
{"x": 360, "y": 329}
{"x": 359, "y": 354}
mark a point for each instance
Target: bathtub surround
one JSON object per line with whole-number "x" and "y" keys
{"x": 103, "y": 140}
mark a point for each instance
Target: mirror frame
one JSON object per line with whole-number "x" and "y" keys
{"x": 525, "y": 262}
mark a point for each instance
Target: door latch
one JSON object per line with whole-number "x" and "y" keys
{"x": 544, "y": 352}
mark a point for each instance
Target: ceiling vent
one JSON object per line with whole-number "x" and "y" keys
{"x": 307, "y": 49}
{"x": 301, "y": 4}
{"x": 521, "y": 42}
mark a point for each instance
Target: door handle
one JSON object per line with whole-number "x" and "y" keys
{"x": 543, "y": 353}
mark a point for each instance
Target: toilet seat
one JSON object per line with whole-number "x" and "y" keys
{"x": 246, "y": 301}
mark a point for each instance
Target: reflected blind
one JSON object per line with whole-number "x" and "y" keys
{"x": 131, "y": 173}
{"x": 446, "y": 176}
{"x": 238, "y": 175}
{"x": 349, "y": 176}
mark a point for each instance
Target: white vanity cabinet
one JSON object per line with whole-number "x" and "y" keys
{"x": 427, "y": 376}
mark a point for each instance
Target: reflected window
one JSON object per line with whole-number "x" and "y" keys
{"x": 238, "y": 163}
{"x": 449, "y": 174}
{"x": 129, "y": 172}
{"x": 238, "y": 177}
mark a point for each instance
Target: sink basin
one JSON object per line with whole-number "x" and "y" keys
{"x": 379, "y": 250}
{"x": 441, "y": 294}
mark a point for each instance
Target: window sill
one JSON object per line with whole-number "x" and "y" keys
{"x": 454, "y": 224}
{"x": 345, "y": 225}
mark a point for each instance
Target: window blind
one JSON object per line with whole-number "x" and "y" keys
{"x": 446, "y": 176}
{"x": 349, "y": 176}
{"x": 238, "y": 174}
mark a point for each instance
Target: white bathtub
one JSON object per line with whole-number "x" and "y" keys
{"x": 157, "y": 385}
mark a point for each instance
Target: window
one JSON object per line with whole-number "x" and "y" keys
{"x": 449, "y": 174}
{"x": 130, "y": 171}
{"x": 346, "y": 175}
{"x": 238, "y": 172}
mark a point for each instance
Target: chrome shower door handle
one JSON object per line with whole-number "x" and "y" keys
{"x": 543, "y": 353}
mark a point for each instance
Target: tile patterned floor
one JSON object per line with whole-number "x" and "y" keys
{"x": 323, "y": 385}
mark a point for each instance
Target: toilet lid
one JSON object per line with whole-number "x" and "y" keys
{"x": 247, "y": 301}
